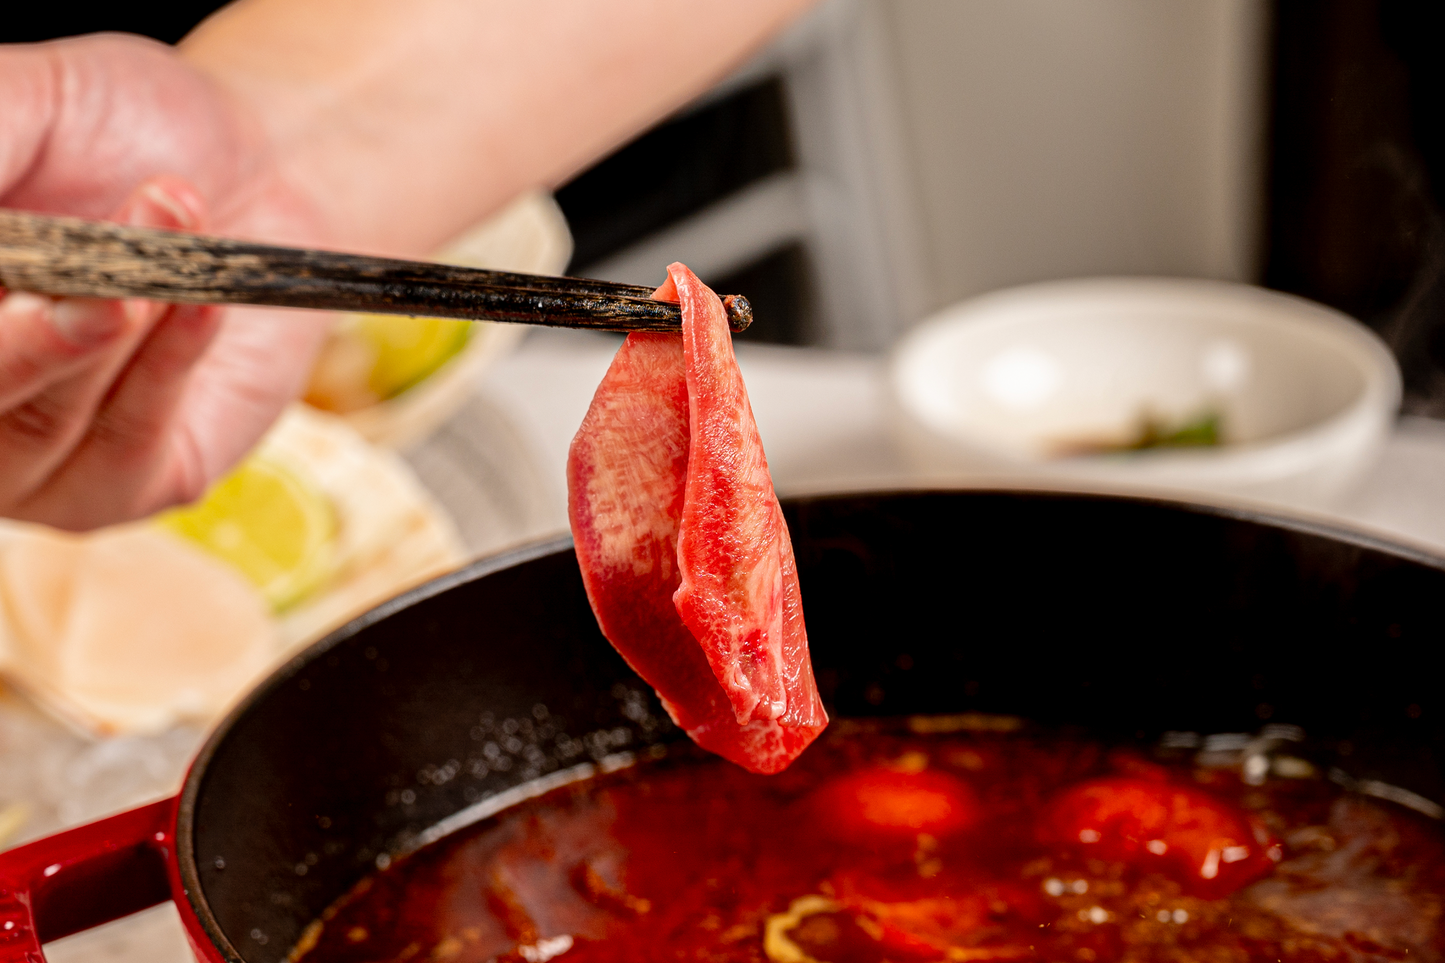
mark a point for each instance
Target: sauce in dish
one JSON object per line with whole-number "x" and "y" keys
{"x": 935, "y": 839}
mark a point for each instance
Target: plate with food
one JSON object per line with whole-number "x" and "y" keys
{"x": 1154, "y": 383}
{"x": 396, "y": 378}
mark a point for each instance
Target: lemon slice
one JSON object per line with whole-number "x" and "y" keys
{"x": 269, "y": 524}
{"x": 375, "y": 357}
{"x": 409, "y": 349}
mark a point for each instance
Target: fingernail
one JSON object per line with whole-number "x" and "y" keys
{"x": 17, "y": 303}
{"x": 87, "y": 321}
{"x": 182, "y": 216}
{"x": 152, "y": 205}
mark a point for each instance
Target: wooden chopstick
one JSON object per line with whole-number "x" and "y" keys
{"x": 80, "y": 258}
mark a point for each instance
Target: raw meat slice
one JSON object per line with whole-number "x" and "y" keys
{"x": 669, "y": 496}
{"x": 733, "y": 543}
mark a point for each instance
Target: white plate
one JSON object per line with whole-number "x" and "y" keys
{"x": 1017, "y": 380}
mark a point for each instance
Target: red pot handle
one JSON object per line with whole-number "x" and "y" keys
{"x": 83, "y": 877}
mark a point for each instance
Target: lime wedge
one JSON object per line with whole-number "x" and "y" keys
{"x": 407, "y": 350}
{"x": 268, "y": 523}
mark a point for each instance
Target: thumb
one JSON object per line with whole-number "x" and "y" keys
{"x": 28, "y": 95}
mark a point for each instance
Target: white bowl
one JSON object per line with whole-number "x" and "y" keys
{"x": 1011, "y": 382}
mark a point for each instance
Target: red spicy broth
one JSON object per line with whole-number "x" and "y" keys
{"x": 939, "y": 839}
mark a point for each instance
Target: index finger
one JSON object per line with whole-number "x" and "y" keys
{"x": 43, "y": 340}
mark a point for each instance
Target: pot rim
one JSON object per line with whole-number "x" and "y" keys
{"x": 188, "y": 798}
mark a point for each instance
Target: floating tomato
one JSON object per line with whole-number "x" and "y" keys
{"x": 883, "y": 804}
{"x": 1208, "y": 846}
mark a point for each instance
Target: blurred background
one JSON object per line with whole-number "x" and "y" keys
{"x": 888, "y": 157}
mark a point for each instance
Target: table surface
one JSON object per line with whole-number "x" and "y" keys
{"x": 497, "y": 466}
{"x": 824, "y": 419}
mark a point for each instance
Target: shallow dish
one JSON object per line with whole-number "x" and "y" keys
{"x": 1064, "y": 378}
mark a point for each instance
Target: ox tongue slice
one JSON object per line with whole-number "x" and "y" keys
{"x": 682, "y": 545}
{"x": 739, "y": 592}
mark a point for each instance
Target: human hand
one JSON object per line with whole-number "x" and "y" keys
{"x": 385, "y": 126}
{"x": 112, "y": 410}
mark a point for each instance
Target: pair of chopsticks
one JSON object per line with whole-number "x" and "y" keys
{"x": 79, "y": 258}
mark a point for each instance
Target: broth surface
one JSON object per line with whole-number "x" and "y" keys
{"x": 940, "y": 839}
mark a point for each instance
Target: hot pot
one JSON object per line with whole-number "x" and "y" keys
{"x": 1130, "y": 617}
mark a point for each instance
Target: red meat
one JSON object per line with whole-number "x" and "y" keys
{"x": 682, "y": 544}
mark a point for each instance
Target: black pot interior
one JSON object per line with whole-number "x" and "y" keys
{"x": 1128, "y": 617}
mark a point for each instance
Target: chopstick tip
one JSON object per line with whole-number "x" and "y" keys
{"x": 740, "y": 312}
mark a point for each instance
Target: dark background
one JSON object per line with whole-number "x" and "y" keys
{"x": 1356, "y": 162}
{"x": 167, "y": 22}
{"x": 1358, "y": 172}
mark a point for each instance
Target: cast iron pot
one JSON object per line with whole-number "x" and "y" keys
{"x": 1130, "y": 617}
